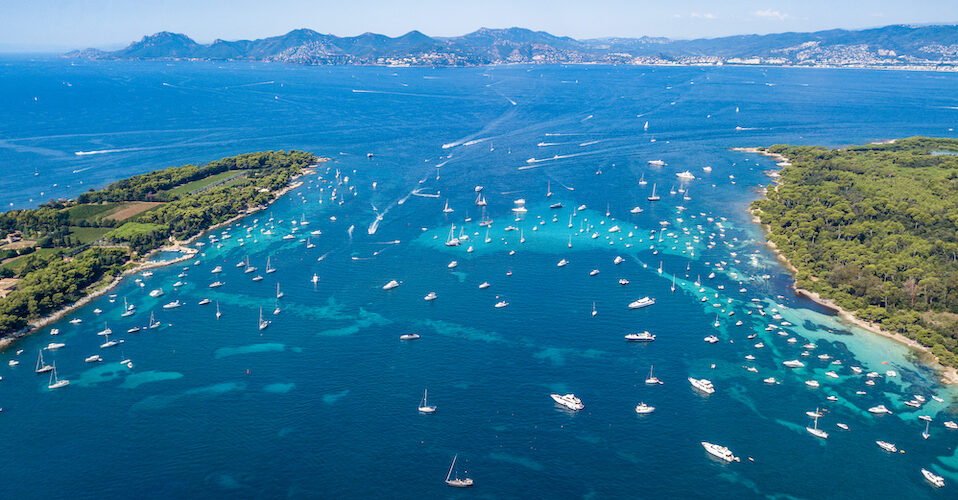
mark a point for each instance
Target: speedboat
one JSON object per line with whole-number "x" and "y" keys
{"x": 216, "y": 284}
{"x": 430, "y": 296}
{"x": 889, "y": 447}
{"x": 501, "y": 304}
{"x": 812, "y": 383}
{"x": 640, "y": 337}
{"x": 769, "y": 380}
{"x": 569, "y": 401}
{"x": 842, "y": 426}
{"x": 951, "y": 424}
{"x": 593, "y": 272}
{"x": 93, "y": 359}
{"x": 52, "y": 346}
{"x": 643, "y": 409}
{"x": 483, "y": 285}
{"x": 204, "y": 302}
{"x": 452, "y": 265}
{"x": 686, "y": 175}
{"x": 392, "y": 284}
{"x": 712, "y": 339}
{"x": 704, "y": 385}
{"x": 172, "y": 305}
{"x": 156, "y": 293}
{"x": 562, "y": 263}
{"x": 720, "y": 452}
{"x": 643, "y": 302}
{"x": 935, "y": 480}
{"x": 794, "y": 363}
{"x": 409, "y": 336}
{"x": 623, "y": 281}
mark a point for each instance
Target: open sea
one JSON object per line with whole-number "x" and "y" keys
{"x": 323, "y": 402}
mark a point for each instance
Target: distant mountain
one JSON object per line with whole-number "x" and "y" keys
{"x": 889, "y": 46}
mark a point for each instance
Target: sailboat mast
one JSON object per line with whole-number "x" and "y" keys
{"x": 453, "y": 464}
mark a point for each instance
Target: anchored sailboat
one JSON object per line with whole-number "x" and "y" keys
{"x": 457, "y": 483}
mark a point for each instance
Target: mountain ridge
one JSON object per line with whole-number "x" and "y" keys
{"x": 923, "y": 46}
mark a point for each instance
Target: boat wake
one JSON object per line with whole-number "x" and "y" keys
{"x": 105, "y": 151}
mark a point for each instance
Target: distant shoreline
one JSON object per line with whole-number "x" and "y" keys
{"x": 949, "y": 375}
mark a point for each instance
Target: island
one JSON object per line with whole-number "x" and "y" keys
{"x": 872, "y": 231}
{"x": 60, "y": 255}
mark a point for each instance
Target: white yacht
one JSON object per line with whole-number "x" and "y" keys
{"x": 686, "y": 175}
{"x": 93, "y": 359}
{"x": 483, "y": 285}
{"x": 520, "y": 207}
{"x": 392, "y": 284}
{"x": 640, "y": 303}
{"x": 889, "y": 447}
{"x": 569, "y": 401}
{"x": 52, "y": 346}
{"x": 879, "y": 410}
{"x": 156, "y": 293}
{"x": 501, "y": 304}
{"x": 704, "y": 385}
{"x": 424, "y": 405}
{"x": 935, "y": 480}
{"x": 769, "y": 380}
{"x": 593, "y": 272}
{"x": 643, "y": 409}
{"x": 618, "y": 260}
{"x": 950, "y": 424}
{"x": 204, "y": 302}
{"x": 172, "y": 305}
{"x": 216, "y": 284}
{"x": 640, "y": 337}
{"x": 842, "y": 426}
{"x": 712, "y": 339}
{"x": 452, "y": 264}
{"x": 430, "y": 296}
{"x": 812, "y": 383}
{"x": 409, "y": 336}
{"x": 656, "y": 163}
{"x": 794, "y": 363}
{"x": 720, "y": 452}
{"x": 562, "y": 263}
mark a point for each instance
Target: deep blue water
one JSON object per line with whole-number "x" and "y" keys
{"x": 323, "y": 402}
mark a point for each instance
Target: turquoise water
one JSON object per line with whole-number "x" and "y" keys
{"x": 323, "y": 401}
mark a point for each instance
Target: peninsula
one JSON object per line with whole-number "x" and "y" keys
{"x": 57, "y": 255}
{"x": 873, "y": 231}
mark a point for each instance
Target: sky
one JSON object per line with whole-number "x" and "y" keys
{"x": 56, "y": 25}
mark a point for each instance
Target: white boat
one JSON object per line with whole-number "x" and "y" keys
{"x": 569, "y": 401}
{"x": 451, "y": 240}
{"x": 452, "y": 264}
{"x": 656, "y": 163}
{"x": 501, "y": 304}
{"x": 652, "y": 380}
{"x": 204, "y": 302}
{"x": 643, "y": 409}
{"x": 218, "y": 314}
{"x": 156, "y": 324}
{"x": 424, "y": 405}
{"x": 769, "y": 380}
{"x": 52, "y": 346}
{"x": 640, "y": 337}
{"x": 217, "y": 269}
{"x": 653, "y": 196}
{"x": 55, "y": 331}
{"x": 720, "y": 452}
{"x": 642, "y": 180}
{"x": 935, "y": 480}
{"x": 76, "y": 321}
{"x": 133, "y": 330}
{"x": 686, "y": 175}
{"x": 842, "y": 426}
{"x": 794, "y": 363}
{"x": 618, "y": 260}
{"x": 814, "y": 430}
{"x": 430, "y": 296}
{"x": 640, "y": 303}
{"x": 520, "y": 207}
{"x": 315, "y": 279}
{"x": 457, "y": 482}
{"x": 279, "y": 294}
{"x": 270, "y": 269}
{"x": 446, "y": 209}
{"x": 392, "y": 284}
{"x": 216, "y": 284}
{"x": 172, "y": 305}
{"x": 562, "y": 263}
{"x": 623, "y": 281}
{"x": 889, "y": 447}
{"x": 257, "y": 278}
{"x": 110, "y": 343}
{"x": 56, "y": 383}
{"x": 704, "y": 385}
{"x": 262, "y": 322}
{"x": 93, "y": 359}
{"x": 409, "y": 336}
{"x": 950, "y": 424}
{"x": 483, "y": 285}
{"x": 42, "y": 367}
{"x": 812, "y": 383}
{"x": 712, "y": 339}
{"x": 156, "y": 293}
{"x": 879, "y": 410}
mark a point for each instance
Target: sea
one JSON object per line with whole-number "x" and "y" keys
{"x": 323, "y": 402}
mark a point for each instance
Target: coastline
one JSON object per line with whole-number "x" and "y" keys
{"x": 948, "y": 375}
{"x": 143, "y": 264}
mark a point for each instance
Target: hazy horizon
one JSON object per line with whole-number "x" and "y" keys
{"x": 51, "y": 26}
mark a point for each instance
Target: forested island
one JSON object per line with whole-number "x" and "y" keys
{"x": 874, "y": 229}
{"x": 58, "y": 253}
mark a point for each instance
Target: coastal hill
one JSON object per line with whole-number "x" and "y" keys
{"x": 890, "y": 46}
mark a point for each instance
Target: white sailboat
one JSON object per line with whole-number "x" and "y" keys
{"x": 262, "y": 323}
{"x": 56, "y": 383}
{"x": 652, "y": 380}
{"x": 548, "y": 189}
{"x": 42, "y": 367}
{"x": 218, "y": 314}
{"x": 457, "y": 483}
{"x": 424, "y": 405}
{"x": 815, "y": 431}
{"x": 446, "y": 209}
{"x": 653, "y": 196}
{"x": 594, "y": 312}
{"x": 153, "y": 322}
{"x": 279, "y": 294}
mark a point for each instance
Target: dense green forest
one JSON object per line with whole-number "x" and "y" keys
{"x": 875, "y": 228}
{"x": 68, "y": 265}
